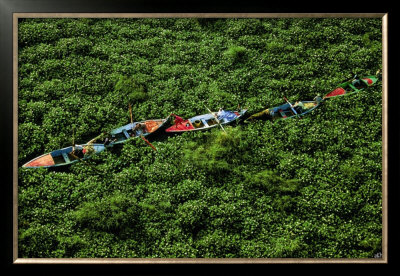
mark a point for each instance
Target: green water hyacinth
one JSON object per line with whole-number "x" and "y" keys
{"x": 298, "y": 188}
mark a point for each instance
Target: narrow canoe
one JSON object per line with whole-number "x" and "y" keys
{"x": 353, "y": 86}
{"x": 136, "y": 129}
{"x": 285, "y": 111}
{"x": 206, "y": 121}
{"x": 65, "y": 156}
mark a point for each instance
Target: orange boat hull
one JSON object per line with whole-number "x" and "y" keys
{"x": 41, "y": 161}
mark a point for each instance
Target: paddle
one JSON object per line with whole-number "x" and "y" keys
{"x": 216, "y": 119}
{"x": 147, "y": 141}
{"x": 75, "y": 156}
{"x": 73, "y": 146}
{"x": 130, "y": 112}
{"x": 291, "y": 106}
{"x": 141, "y": 135}
{"x": 99, "y": 137}
{"x": 73, "y": 139}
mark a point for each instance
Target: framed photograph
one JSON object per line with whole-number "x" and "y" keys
{"x": 199, "y": 138}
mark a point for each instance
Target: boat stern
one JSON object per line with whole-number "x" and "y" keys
{"x": 370, "y": 80}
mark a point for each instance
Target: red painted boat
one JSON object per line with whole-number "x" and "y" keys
{"x": 206, "y": 121}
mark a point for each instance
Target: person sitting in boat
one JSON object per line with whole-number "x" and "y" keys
{"x": 108, "y": 141}
{"x": 78, "y": 152}
{"x": 88, "y": 150}
{"x": 139, "y": 128}
{"x": 220, "y": 113}
{"x": 318, "y": 98}
{"x": 299, "y": 106}
{"x": 356, "y": 81}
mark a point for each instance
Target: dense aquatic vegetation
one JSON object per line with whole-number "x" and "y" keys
{"x": 292, "y": 188}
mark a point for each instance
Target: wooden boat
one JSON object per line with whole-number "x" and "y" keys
{"x": 286, "y": 111}
{"x": 353, "y": 86}
{"x": 207, "y": 121}
{"x": 134, "y": 130}
{"x": 65, "y": 156}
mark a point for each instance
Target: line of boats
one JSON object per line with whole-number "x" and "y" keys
{"x": 143, "y": 129}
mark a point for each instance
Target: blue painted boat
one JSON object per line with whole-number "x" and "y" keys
{"x": 207, "y": 121}
{"x": 135, "y": 130}
{"x": 130, "y": 131}
{"x": 65, "y": 156}
{"x": 286, "y": 111}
